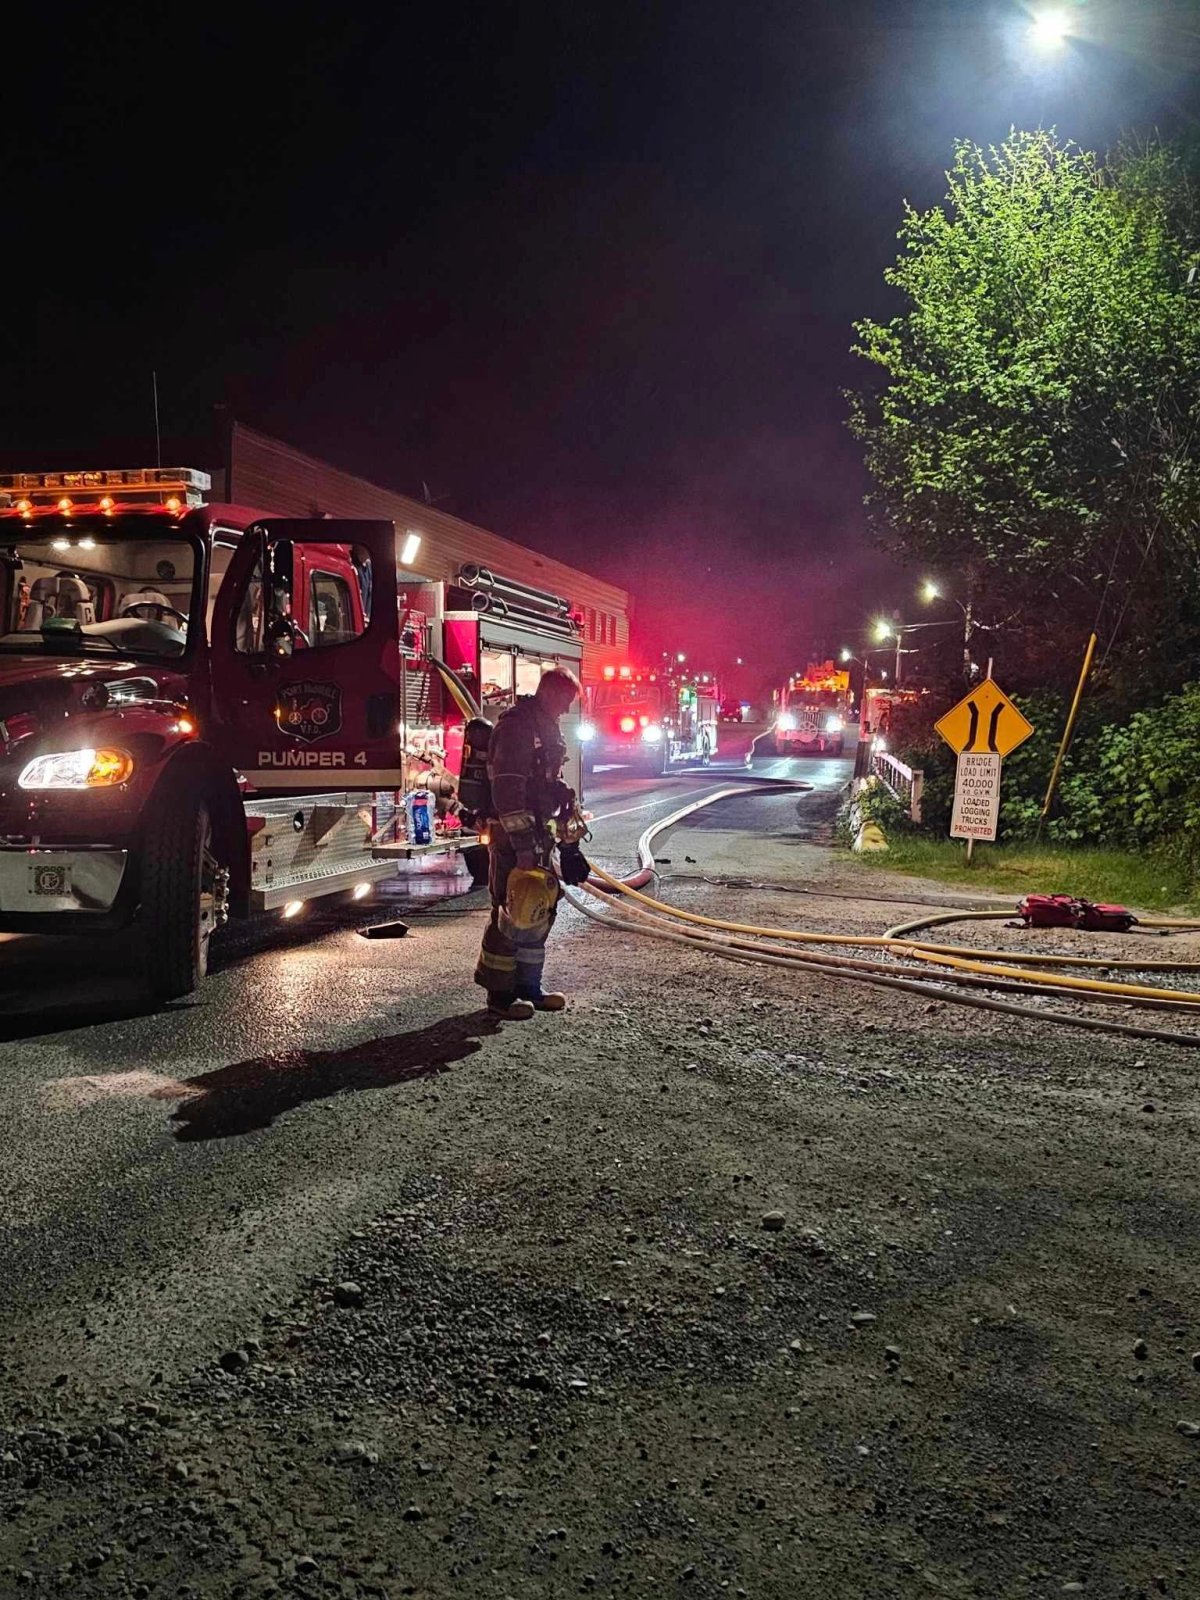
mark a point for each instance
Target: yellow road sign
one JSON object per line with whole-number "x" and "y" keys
{"x": 984, "y": 721}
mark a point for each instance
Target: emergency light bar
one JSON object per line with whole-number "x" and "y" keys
{"x": 128, "y": 484}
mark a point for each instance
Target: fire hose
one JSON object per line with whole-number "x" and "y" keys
{"x": 962, "y": 970}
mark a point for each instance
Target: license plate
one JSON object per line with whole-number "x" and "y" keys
{"x": 51, "y": 879}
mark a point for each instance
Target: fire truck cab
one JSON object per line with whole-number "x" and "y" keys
{"x": 650, "y": 720}
{"x": 206, "y": 710}
{"x": 813, "y": 710}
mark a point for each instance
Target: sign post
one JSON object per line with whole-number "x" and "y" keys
{"x": 982, "y": 729}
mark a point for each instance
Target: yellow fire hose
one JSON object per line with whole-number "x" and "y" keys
{"x": 910, "y": 948}
{"x": 960, "y": 967}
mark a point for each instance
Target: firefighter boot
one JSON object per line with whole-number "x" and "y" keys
{"x": 511, "y": 1007}
{"x": 541, "y": 1001}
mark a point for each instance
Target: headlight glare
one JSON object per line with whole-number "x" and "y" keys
{"x": 77, "y": 769}
{"x": 587, "y": 732}
{"x": 787, "y": 723}
{"x": 653, "y": 734}
{"x": 833, "y": 724}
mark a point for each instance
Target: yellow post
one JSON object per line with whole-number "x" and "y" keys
{"x": 1065, "y": 744}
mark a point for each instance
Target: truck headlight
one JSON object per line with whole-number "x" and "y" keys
{"x": 587, "y": 732}
{"x": 652, "y": 734}
{"x": 787, "y": 723}
{"x": 77, "y": 769}
{"x": 833, "y": 724}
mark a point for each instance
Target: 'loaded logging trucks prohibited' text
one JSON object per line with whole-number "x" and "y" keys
{"x": 982, "y": 728}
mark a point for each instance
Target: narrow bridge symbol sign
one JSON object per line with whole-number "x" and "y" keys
{"x": 984, "y": 722}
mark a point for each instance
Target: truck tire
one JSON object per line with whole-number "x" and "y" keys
{"x": 182, "y": 894}
{"x": 705, "y": 751}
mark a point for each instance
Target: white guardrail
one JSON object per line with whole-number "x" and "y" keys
{"x": 904, "y": 782}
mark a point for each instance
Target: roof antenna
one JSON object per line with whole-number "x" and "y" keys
{"x": 157, "y": 433}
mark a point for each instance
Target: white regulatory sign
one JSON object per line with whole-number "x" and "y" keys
{"x": 976, "y": 810}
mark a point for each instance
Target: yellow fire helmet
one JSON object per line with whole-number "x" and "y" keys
{"x": 532, "y": 896}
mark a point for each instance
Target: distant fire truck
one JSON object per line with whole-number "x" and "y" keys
{"x": 651, "y": 720}
{"x": 879, "y": 702}
{"x": 813, "y": 711}
{"x": 209, "y": 710}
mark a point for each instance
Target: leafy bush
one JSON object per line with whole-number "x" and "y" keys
{"x": 874, "y": 803}
{"x": 1138, "y": 784}
{"x": 1134, "y": 784}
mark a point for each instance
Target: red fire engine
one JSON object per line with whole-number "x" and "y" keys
{"x": 650, "y": 720}
{"x": 207, "y": 710}
{"x": 813, "y": 710}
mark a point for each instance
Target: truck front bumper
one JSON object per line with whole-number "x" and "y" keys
{"x": 38, "y": 883}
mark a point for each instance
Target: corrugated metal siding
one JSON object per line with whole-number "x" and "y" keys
{"x": 266, "y": 472}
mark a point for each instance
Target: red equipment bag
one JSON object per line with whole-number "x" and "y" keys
{"x": 1050, "y": 911}
{"x": 1064, "y": 911}
{"x": 1105, "y": 918}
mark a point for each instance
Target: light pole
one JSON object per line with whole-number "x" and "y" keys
{"x": 931, "y": 592}
{"x": 885, "y": 630}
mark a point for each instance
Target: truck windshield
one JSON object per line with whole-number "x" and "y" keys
{"x": 611, "y": 695}
{"x": 813, "y": 697}
{"x": 95, "y": 589}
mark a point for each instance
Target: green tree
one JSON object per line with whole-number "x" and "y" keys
{"x": 1033, "y": 423}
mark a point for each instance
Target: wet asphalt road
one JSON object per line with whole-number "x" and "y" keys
{"x": 130, "y": 1226}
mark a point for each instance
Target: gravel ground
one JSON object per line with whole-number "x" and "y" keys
{"x": 727, "y": 1282}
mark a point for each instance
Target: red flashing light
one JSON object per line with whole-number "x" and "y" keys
{"x": 644, "y": 721}
{"x": 628, "y": 724}
{"x": 610, "y": 672}
{"x": 64, "y": 505}
{"x": 627, "y": 672}
{"x": 173, "y": 504}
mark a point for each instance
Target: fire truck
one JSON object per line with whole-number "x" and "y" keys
{"x": 813, "y": 711}
{"x": 207, "y": 710}
{"x": 879, "y": 702}
{"x": 654, "y": 721}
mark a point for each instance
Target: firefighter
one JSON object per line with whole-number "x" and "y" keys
{"x": 525, "y": 760}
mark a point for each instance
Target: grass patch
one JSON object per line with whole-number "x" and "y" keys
{"x": 1145, "y": 882}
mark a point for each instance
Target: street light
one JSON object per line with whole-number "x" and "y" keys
{"x": 1050, "y": 29}
{"x": 929, "y": 592}
{"x": 884, "y": 630}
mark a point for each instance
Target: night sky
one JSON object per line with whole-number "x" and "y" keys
{"x": 586, "y": 270}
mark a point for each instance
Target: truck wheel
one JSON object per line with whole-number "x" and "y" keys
{"x": 183, "y": 894}
{"x": 705, "y": 751}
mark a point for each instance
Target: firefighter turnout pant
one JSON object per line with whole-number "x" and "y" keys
{"x": 511, "y": 959}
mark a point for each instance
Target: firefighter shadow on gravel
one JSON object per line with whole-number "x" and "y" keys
{"x": 248, "y": 1095}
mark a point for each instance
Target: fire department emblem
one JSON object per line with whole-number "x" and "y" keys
{"x": 309, "y": 711}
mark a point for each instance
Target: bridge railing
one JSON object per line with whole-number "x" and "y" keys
{"x": 905, "y": 782}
